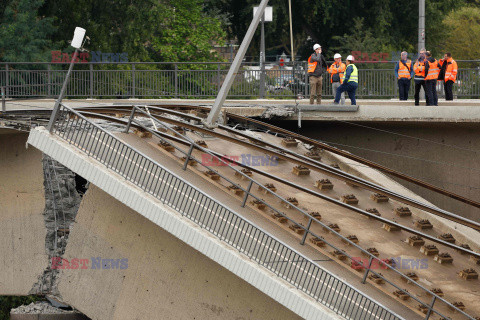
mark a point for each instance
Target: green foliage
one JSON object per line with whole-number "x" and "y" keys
{"x": 9, "y": 302}
{"x": 389, "y": 25}
{"x": 186, "y": 33}
{"x": 24, "y": 36}
{"x": 148, "y": 30}
{"x": 463, "y": 34}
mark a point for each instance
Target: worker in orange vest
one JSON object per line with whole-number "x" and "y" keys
{"x": 432, "y": 69}
{"x": 404, "y": 73}
{"x": 337, "y": 70}
{"x": 419, "y": 78}
{"x": 448, "y": 73}
{"x": 316, "y": 67}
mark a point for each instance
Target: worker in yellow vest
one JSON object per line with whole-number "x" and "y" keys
{"x": 350, "y": 82}
{"x": 316, "y": 67}
{"x": 404, "y": 73}
{"x": 337, "y": 70}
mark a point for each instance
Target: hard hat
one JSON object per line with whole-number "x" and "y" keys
{"x": 350, "y": 57}
{"x": 337, "y": 55}
{"x": 316, "y": 46}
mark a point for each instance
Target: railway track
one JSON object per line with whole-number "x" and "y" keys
{"x": 155, "y": 112}
{"x": 294, "y": 157}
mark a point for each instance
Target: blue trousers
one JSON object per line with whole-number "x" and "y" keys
{"x": 350, "y": 88}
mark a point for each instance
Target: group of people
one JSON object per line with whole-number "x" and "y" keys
{"x": 426, "y": 72}
{"x": 344, "y": 76}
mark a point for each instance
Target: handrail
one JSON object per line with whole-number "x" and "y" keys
{"x": 150, "y": 176}
{"x": 311, "y": 219}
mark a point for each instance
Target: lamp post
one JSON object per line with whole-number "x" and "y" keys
{"x": 421, "y": 32}
{"x": 266, "y": 17}
{"x": 77, "y": 42}
{"x": 421, "y": 24}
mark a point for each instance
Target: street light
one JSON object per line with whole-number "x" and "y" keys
{"x": 267, "y": 17}
{"x": 77, "y": 43}
{"x": 421, "y": 25}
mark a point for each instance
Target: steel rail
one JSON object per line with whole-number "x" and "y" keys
{"x": 318, "y": 166}
{"x": 293, "y": 185}
{"x": 351, "y": 157}
{"x": 366, "y": 162}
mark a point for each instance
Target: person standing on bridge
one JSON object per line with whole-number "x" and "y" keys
{"x": 350, "y": 82}
{"x": 404, "y": 72}
{"x": 316, "y": 67}
{"x": 448, "y": 70}
{"x": 432, "y": 69}
{"x": 419, "y": 77}
{"x": 337, "y": 70}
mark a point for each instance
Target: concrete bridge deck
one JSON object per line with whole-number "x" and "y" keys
{"x": 369, "y": 110}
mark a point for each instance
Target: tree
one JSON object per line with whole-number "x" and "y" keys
{"x": 23, "y": 35}
{"x": 463, "y": 34}
{"x": 187, "y": 33}
{"x": 148, "y": 30}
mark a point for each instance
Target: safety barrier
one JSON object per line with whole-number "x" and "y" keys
{"x": 198, "y": 80}
{"x": 238, "y": 232}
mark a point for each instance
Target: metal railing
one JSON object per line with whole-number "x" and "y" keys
{"x": 253, "y": 184}
{"x": 224, "y": 223}
{"x": 199, "y": 80}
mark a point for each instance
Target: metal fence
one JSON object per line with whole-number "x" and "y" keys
{"x": 199, "y": 80}
{"x": 224, "y": 223}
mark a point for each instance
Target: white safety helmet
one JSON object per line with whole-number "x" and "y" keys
{"x": 350, "y": 57}
{"x": 316, "y": 46}
{"x": 337, "y": 55}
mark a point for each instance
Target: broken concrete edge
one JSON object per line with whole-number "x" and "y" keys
{"x": 462, "y": 233}
{"x": 61, "y": 206}
{"x": 396, "y": 113}
{"x": 180, "y": 227}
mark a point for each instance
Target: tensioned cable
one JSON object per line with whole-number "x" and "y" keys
{"x": 452, "y": 183}
{"x": 364, "y": 166}
{"x": 406, "y": 136}
{"x": 400, "y": 155}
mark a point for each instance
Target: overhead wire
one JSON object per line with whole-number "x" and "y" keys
{"x": 407, "y": 136}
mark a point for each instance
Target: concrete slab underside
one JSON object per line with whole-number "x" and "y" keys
{"x": 165, "y": 277}
{"x": 22, "y": 227}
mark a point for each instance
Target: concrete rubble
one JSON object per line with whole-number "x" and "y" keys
{"x": 39, "y": 307}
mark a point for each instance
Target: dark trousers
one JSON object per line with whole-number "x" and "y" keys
{"x": 431, "y": 92}
{"x": 403, "y": 87}
{"x": 418, "y": 86}
{"x": 350, "y": 88}
{"x": 448, "y": 85}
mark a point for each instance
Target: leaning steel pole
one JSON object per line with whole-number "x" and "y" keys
{"x": 227, "y": 84}
{"x": 54, "y": 116}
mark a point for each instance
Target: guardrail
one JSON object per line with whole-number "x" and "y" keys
{"x": 224, "y": 223}
{"x": 200, "y": 80}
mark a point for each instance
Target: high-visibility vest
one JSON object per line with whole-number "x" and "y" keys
{"x": 433, "y": 70}
{"x": 451, "y": 70}
{"x": 311, "y": 65}
{"x": 354, "y": 74}
{"x": 419, "y": 68}
{"x": 334, "y": 69}
{"x": 404, "y": 71}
